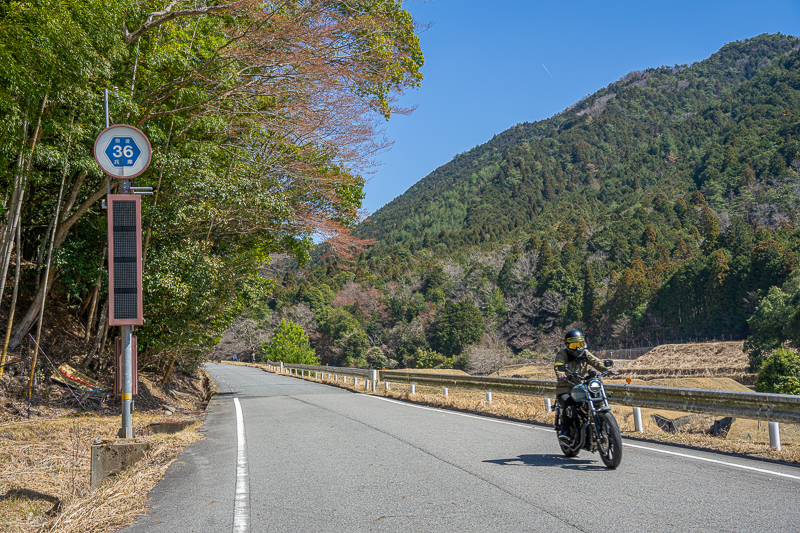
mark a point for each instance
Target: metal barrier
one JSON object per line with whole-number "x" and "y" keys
{"x": 752, "y": 405}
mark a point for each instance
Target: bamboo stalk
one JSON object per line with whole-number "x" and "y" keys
{"x": 9, "y": 231}
{"x": 13, "y": 301}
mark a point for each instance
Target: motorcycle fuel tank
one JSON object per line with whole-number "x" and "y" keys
{"x": 578, "y": 393}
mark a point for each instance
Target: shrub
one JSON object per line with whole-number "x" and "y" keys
{"x": 289, "y": 344}
{"x": 780, "y": 373}
{"x": 425, "y": 358}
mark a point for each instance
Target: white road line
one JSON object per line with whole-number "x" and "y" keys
{"x": 687, "y": 456}
{"x": 241, "y": 510}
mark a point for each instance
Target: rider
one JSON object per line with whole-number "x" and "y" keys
{"x": 573, "y": 358}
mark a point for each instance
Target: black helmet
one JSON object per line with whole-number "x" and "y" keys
{"x": 575, "y": 342}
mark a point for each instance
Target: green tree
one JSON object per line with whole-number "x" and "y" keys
{"x": 710, "y": 225}
{"x": 775, "y": 321}
{"x": 289, "y": 344}
{"x": 780, "y": 373}
{"x": 590, "y": 309}
{"x": 456, "y": 325}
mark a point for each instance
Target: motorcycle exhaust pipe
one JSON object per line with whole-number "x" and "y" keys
{"x": 583, "y": 437}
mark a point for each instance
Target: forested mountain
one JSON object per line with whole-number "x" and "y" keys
{"x": 616, "y": 141}
{"x": 662, "y": 207}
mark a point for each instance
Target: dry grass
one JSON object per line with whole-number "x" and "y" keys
{"x": 45, "y": 460}
{"x": 713, "y": 360}
{"x": 746, "y": 437}
{"x": 44, "y": 474}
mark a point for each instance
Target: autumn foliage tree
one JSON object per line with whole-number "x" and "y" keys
{"x": 263, "y": 117}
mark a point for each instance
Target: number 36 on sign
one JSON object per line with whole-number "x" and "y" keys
{"x": 122, "y": 151}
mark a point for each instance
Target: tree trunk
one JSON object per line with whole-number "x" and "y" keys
{"x": 100, "y": 337}
{"x": 8, "y": 229}
{"x": 29, "y": 319}
{"x": 13, "y": 302}
{"x": 95, "y": 299}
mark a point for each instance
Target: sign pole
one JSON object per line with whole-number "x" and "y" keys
{"x": 123, "y": 152}
{"x": 105, "y": 105}
{"x": 126, "y": 432}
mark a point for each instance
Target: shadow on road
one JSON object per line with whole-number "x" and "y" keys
{"x": 549, "y": 459}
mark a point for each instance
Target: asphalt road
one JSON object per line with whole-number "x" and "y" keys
{"x": 319, "y": 458}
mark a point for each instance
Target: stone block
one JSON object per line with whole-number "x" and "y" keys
{"x": 170, "y": 427}
{"x": 112, "y": 457}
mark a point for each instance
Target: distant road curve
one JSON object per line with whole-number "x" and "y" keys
{"x": 320, "y": 458}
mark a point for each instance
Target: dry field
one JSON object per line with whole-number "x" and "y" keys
{"x": 45, "y": 459}
{"x": 747, "y": 437}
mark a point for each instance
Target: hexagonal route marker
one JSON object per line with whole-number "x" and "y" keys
{"x": 122, "y": 151}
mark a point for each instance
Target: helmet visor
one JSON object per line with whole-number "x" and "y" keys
{"x": 574, "y": 343}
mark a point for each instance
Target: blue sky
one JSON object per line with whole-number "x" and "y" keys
{"x": 483, "y": 65}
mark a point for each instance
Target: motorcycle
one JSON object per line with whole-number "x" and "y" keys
{"x": 593, "y": 426}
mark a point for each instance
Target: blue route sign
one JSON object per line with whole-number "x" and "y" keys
{"x": 123, "y": 151}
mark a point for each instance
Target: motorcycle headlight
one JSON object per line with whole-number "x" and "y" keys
{"x": 594, "y": 388}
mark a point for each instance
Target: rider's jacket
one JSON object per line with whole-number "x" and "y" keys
{"x": 579, "y": 366}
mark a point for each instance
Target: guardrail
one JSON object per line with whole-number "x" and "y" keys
{"x": 773, "y": 408}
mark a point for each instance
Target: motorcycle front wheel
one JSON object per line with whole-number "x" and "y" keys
{"x": 611, "y": 447}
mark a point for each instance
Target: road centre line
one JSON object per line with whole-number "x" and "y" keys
{"x": 668, "y": 452}
{"x": 241, "y": 511}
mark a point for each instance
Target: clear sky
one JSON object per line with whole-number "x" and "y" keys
{"x": 484, "y": 65}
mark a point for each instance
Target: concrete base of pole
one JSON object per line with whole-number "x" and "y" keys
{"x": 775, "y": 435}
{"x": 637, "y": 419}
{"x": 110, "y": 458}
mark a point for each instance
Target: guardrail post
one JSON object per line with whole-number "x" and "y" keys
{"x": 355, "y": 382}
{"x": 637, "y": 419}
{"x": 445, "y": 392}
{"x": 413, "y": 388}
{"x": 316, "y": 374}
{"x": 548, "y": 406}
{"x": 335, "y": 378}
{"x": 489, "y": 398}
{"x": 386, "y": 385}
{"x": 775, "y": 435}
{"x": 373, "y": 375}
{"x": 281, "y": 367}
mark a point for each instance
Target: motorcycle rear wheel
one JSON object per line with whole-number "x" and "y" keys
{"x": 611, "y": 449}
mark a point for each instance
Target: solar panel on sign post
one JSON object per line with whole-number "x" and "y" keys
{"x": 125, "y": 265}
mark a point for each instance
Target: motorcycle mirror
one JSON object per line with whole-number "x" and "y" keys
{"x": 609, "y": 363}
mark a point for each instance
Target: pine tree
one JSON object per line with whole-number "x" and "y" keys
{"x": 590, "y": 311}
{"x": 711, "y": 231}
{"x": 546, "y": 259}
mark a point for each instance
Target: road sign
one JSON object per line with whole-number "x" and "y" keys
{"x": 122, "y": 151}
